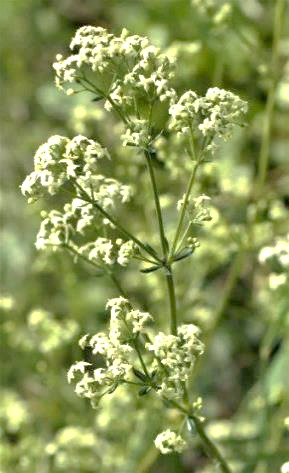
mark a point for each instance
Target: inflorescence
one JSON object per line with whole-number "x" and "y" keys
{"x": 131, "y": 77}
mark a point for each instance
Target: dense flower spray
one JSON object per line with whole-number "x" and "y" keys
{"x": 131, "y": 78}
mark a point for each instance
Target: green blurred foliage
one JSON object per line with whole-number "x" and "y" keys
{"x": 44, "y": 426}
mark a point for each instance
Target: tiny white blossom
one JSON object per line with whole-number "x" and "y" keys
{"x": 169, "y": 442}
{"x": 79, "y": 366}
{"x": 138, "y": 319}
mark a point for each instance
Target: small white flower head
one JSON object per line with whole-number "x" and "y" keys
{"x": 137, "y": 134}
{"x": 138, "y": 68}
{"x": 78, "y": 367}
{"x": 48, "y": 173}
{"x": 84, "y": 341}
{"x": 103, "y": 252}
{"x": 214, "y": 115}
{"x": 139, "y": 320}
{"x": 94, "y": 382}
{"x": 55, "y": 231}
{"x": 126, "y": 252}
{"x": 125, "y": 321}
{"x": 177, "y": 355}
{"x": 170, "y": 442}
{"x": 59, "y": 159}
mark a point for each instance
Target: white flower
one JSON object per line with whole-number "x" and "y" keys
{"x": 285, "y": 467}
{"x": 215, "y": 114}
{"x": 169, "y": 442}
{"x": 139, "y": 320}
{"x": 126, "y": 252}
{"x": 79, "y": 366}
{"x": 177, "y": 355}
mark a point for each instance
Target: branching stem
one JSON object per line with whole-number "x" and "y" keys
{"x": 184, "y": 208}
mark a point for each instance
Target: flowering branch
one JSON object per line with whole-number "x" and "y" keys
{"x": 132, "y": 77}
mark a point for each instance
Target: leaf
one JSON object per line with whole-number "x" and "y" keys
{"x": 144, "y": 391}
{"x": 97, "y": 98}
{"x": 167, "y": 245}
{"x": 150, "y": 269}
{"x": 139, "y": 374}
{"x": 191, "y": 425}
{"x": 184, "y": 253}
{"x": 153, "y": 374}
{"x": 150, "y": 249}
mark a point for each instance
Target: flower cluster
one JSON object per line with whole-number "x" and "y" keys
{"x": 116, "y": 349}
{"x": 214, "y": 115}
{"x": 74, "y": 165}
{"x": 137, "y": 134}
{"x": 169, "y": 442}
{"x": 128, "y": 62}
{"x": 176, "y": 354}
{"x": 60, "y": 159}
{"x": 59, "y": 230}
{"x": 124, "y": 320}
{"x": 166, "y": 361}
{"x": 134, "y": 72}
{"x": 105, "y": 251}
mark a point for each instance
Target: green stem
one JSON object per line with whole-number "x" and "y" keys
{"x": 141, "y": 358}
{"x": 107, "y": 97}
{"x": 157, "y": 203}
{"x": 167, "y": 266}
{"x": 269, "y": 109}
{"x": 117, "y": 283}
{"x": 172, "y": 299}
{"x": 84, "y": 258}
{"x": 109, "y": 272}
{"x": 211, "y": 449}
{"x": 209, "y": 445}
{"x": 184, "y": 208}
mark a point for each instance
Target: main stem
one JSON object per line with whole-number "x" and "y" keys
{"x": 157, "y": 203}
{"x": 210, "y": 447}
{"x": 184, "y": 208}
{"x": 172, "y": 297}
{"x": 164, "y": 244}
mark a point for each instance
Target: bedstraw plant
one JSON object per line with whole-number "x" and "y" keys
{"x": 132, "y": 81}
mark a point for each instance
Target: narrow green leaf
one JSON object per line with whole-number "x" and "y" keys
{"x": 150, "y": 269}
{"x": 184, "y": 253}
{"x": 97, "y": 98}
{"x": 139, "y": 374}
{"x": 150, "y": 249}
{"x": 144, "y": 391}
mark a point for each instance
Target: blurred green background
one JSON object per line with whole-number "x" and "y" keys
{"x": 48, "y": 301}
